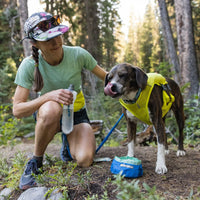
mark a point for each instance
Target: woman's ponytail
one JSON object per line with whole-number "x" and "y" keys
{"x": 38, "y": 81}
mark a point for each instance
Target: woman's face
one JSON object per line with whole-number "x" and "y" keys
{"x": 51, "y": 47}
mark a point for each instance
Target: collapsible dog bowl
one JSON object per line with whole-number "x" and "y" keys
{"x": 129, "y": 167}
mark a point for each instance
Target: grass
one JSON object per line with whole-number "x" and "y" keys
{"x": 65, "y": 178}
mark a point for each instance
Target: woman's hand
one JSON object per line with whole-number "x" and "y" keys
{"x": 62, "y": 96}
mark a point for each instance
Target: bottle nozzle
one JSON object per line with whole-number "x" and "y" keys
{"x": 71, "y": 87}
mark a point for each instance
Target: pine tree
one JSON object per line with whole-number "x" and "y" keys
{"x": 147, "y": 39}
{"x": 11, "y": 49}
{"x": 131, "y": 50}
{"x": 109, "y": 21}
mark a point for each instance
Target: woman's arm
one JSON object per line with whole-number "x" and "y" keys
{"x": 99, "y": 72}
{"x": 24, "y": 108}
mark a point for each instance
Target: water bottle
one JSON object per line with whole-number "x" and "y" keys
{"x": 68, "y": 114}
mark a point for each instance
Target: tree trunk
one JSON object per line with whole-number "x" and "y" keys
{"x": 23, "y": 13}
{"x": 91, "y": 43}
{"x": 186, "y": 47}
{"x": 168, "y": 36}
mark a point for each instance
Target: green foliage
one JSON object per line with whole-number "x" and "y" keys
{"x": 109, "y": 21}
{"x": 56, "y": 173}
{"x": 196, "y": 17}
{"x": 128, "y": 190}
{"x": 10, "y": 33}
{"x": 12, "y": 127}
{"x": 104, "y": 196}
{"x": 14, "y": 173}
{"x": 109, "y": 110}
{"x": 192, "y": 125}
{"x": 104, "y": 108}
{"x": 131, "y": 48}
{"x": 4, "y": 168}
{"x": 93, "y": 26}
{"x": 8, "y": 126}
{"x": 132, "y": 190}
{"x": 164, "y": 68}
{"x": 25, "y": 126}
{"x": 7, "y": 76}
{"x": 145, "y": 45}
{"x": 147, "y": 39}
{"x": 10, "y": 48}
{"x": 61, "y": 176}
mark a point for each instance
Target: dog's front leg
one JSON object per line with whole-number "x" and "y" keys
{"x": 131, "y": 132}
{"x": 160, "y": 164}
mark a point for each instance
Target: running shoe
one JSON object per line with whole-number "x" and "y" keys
{"x": 64, "y": 151}
{"x": 27, "y": 179}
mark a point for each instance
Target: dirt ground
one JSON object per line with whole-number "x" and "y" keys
{"x": 183, "y": 172}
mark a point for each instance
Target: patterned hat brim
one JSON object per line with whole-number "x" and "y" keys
{"x": 51, "y": 33}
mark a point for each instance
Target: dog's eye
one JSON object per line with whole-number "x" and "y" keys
{"x": 123, "y": 75}
{"x": 110, "y": 77}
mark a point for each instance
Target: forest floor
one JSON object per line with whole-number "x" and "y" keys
{"x": 183, "y": 174}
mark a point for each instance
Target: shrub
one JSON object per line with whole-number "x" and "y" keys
{"x": 8, "y": 126}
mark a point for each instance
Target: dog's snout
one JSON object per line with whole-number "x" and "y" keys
{"x": 114, "y": 87}
{"x": 110, "y": 89}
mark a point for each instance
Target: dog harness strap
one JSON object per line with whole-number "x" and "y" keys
{"x": 168, "y": 99}
{"x": 140, "y": 108}
{"x": 136, "y": 97}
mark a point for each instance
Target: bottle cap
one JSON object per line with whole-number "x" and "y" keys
{"x": 71, "y": 87}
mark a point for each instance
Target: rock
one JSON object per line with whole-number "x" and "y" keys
{"x": 5, "y": 193}
{"x": 36, "y": 193}
{"x": 55, "y": 195}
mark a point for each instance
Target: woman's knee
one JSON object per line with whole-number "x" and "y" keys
{"x": 82, "y": 144}
{"x": 49, "y": 113}
{"x": 84, "y": 159}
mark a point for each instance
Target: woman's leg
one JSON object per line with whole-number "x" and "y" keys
{"x": 48, "y": 124}
{"x": 82, "y": 144}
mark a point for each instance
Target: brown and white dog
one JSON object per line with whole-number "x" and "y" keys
{"x": 123, "y": 82}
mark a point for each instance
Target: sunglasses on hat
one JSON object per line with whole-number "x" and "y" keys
{"x": 47, "y": 24}
{"x": 50, "y": 23}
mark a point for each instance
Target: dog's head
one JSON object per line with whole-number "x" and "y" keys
{"x": 124, "y": 80}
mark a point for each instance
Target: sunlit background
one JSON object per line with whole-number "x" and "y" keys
{"x": 126, "y": 9}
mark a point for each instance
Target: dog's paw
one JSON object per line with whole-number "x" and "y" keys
{"x": 161, "y": 169}
{"x": 180, "y": 153}
{"x": 167, "y": 152}
{"x": 130, "y": 155}
{"x": 130, "y": 149}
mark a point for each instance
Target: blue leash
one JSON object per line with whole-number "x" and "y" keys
{"x": 104, "y": 140}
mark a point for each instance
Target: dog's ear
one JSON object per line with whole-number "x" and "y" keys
{"x": 106, "y": 79}
{"x": 141, "y": 78}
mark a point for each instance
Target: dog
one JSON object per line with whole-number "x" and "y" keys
{"x": 129, "y": 84}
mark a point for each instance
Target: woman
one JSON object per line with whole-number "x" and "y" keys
{"x": 52, "y": 68}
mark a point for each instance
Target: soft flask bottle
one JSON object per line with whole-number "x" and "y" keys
{"x": 68, "y": 114}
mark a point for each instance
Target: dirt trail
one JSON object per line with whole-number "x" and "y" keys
{"x": 183, "y": 172}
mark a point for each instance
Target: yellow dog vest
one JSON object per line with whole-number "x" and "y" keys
{"x": 140, "y": 108}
